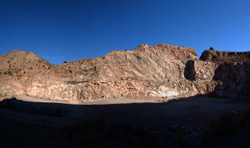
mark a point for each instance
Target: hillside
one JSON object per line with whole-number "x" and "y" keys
{"x": 160, "y": 95}
{"x": 146, "y": 71}
{"x": 17, "y": 70}
{"x": 20, "y": 62}
{"x": 158, "y": 71}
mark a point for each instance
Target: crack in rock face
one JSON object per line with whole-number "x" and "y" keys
{"x": 190, "y": 70}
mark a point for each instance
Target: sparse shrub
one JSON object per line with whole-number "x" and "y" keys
{"x": 65, "y": 62}
{"x": 211, "y": 48}
{"x": 8, "y": 72}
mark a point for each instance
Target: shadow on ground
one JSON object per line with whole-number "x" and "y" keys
{"x": 177, "y": 123}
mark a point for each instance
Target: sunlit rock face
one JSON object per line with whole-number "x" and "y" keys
{"x": 147, "y": 71}
{"x": 17, "y": 71}
{"x": 158, "y": 71}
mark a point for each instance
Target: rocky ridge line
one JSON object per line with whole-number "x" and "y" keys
{"x": 158, "y": 71}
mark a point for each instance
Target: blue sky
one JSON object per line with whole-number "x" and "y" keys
{"x": 69, "y": 30}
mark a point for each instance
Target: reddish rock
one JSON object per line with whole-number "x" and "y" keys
{"x": 17, "y": 70}
{"x": 225, "y": 57}
{"x": 162, "y": 70}
{"x": 147, "y": 71}
{"x": 235, "y": 79}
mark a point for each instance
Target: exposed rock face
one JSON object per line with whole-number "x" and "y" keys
{"x": 20, "y": 62}
{"x": 235, "y": 79}
{"x": 205, "y": 71}
{"x": 146, "y": 72}
{"x": 17, "y": 69}
{"x": 225, "y": 57}
{"x": 233, "y": 72}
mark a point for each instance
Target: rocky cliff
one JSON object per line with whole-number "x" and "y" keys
{"x": 235, "y": 79}
{"x": 233, "y": 72}
{"x": 162, "y": 70}
{"x": 147, "y": 71}
{"x": 224, "y": 56}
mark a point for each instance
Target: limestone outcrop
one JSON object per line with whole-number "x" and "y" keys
{"x": 158, "y": 71}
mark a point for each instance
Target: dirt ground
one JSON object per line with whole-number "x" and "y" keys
{"x": 29, "y": 121}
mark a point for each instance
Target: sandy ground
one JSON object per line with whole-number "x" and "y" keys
{"x": 192, "y": 111}
{"x": 17, "y": 115}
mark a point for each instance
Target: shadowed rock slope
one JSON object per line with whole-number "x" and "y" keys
{"x": 161, "y": 70}
{"x": 225, "y": 57}
{"x": 233, "y": 72}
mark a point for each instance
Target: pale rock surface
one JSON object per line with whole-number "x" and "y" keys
{"x": 158, "y": 71}
{"x": 17, "y": 70}
{"x": 147, "y": 71}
